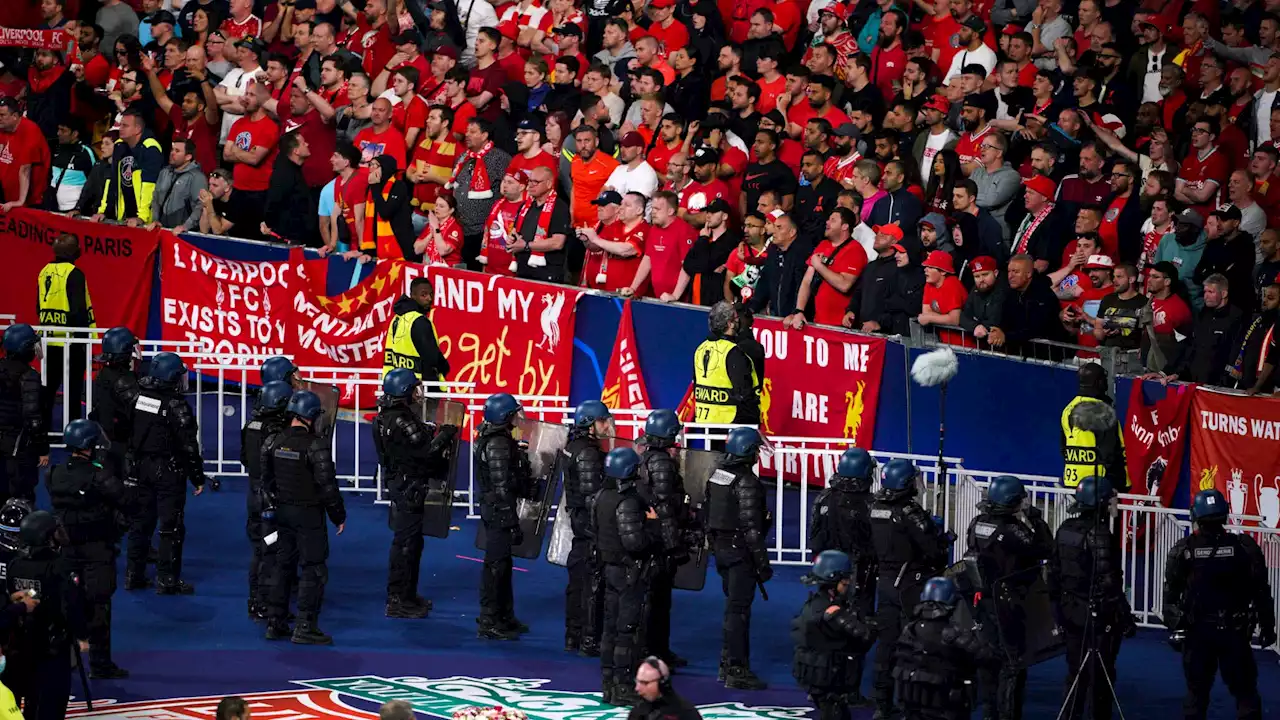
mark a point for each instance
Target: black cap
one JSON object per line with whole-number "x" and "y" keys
{"x": 982, "y": 100}
{"x": 608, "y": 197}
{"x": 304, "y": 5}
{"x": 974, "y": 23}
{"x": 718, "y": 205}
{"x": 163, "y": 16}
{"x": 1227, "y": 212}
{"x": 776, "y": 117}
{"x": 408, "y": 37}
{"x": 531, "y": 123}
{"x": 848, "y": 130}
{"x": 252, "y": 43}
{"x": 706, "y": 156}
{"x": 567, "y": 29}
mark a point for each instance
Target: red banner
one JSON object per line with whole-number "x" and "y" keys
{"x": 1154, "y": 443}
{"x": 624, "y": 387}
{"x": 233, "y": 309}
{"x": 504, "y": 334}
{"x": 117, "y": 261}
{"x": 1233, "y": 448}
{"x": 31, "y": 38}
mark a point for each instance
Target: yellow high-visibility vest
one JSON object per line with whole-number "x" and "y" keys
{"x": 1080, "y": 456}
{"x": 53, "y": 298}
{"x": 399, "y": 350}
{"x": 712, "y": 388}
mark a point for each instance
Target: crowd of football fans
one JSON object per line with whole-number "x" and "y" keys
{"x": 996, "y": 172}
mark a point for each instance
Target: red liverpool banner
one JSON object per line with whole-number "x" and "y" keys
{"x": 1233, "y": 448}
{"x": 31, "y": 38}
{"x": 1153, "y": 441}
{"x": 240, "y": 311}
{"x": 117, "y": 261}
{"x": 624, "y": 387}
{"x": 504, "y": 334}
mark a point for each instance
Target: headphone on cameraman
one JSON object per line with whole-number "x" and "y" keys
{"x": 664, "y": 673}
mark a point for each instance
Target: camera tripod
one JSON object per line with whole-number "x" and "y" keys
{"x": 1091, "y": 656}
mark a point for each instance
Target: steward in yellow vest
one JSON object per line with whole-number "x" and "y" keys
{"x": 1092, "y": 439}
{"x": 724, "y": 379}
{"x": 61, "y": 291}
{"x": 411, "y": 338}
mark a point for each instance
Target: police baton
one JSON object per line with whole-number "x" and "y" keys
{"x": 84, "y": 677}
{"x": 763, "y": 593}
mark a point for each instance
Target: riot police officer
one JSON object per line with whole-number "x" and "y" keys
{"x": 11, "y": 515}
{"x": 38, "y": 670}
{"x": 269, "y": 418}
{"x": 503, "y": 474}
{"x": 165, "y": 451}
{"x": 842, "y": 521}
{"x": 278, "y": 369}
{"x": 583, "y": 478}
{"x": 24, "y": 430}
{"x": 623, "y": 525}
{"x": 301, "y": 487}
{"x": 115, "y": 391}
{"x": 662, "y": 487}
{"x": 829, "y": 633}
{"x": 88, "y": 498}
{"x": 1087, "y": 586}
{"x": 1215, "y": 591}
{"x": 1010, "y": 541}
{"x": 935, "y": 656}
{"x": 910, "y": 548}
{"x": 736, "y": 520}
{"x": 410, "y": 452}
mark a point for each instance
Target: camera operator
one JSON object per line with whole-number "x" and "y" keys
{"x": 658, "y": 700}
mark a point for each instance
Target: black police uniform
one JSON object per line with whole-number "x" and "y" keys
{"x": 842, "y": 521}
{"x": 736, "y": 521}
{"x": 39, "y": 654}
{"x": 115, "y": 392}
{"x": 24, "y": 431}
{"x": 668, "y": 706}
{"x": 1006, "y": 544}
{"x": 1086, "y": 581}
{"x": 413, "y": 455}
{"x": 825, "y": 647}
{"x": 256, "y": 433}
{"x": 626, "y": 542}
{"x": 503, "y": 474}
{"x": 88, "y": 500}
{"x": 165, "y": 451}
{"x": 584, "y": 594}
{"x": 933, "y": 664}
{"x": 662, "y": 488}
{"x": 1215, "y": 590}
{"x": 300, "y": 481}
{"x": 910, "y": 549}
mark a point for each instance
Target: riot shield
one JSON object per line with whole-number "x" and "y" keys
{"x": 329, "y": 395}
{"x": 1028, "y": 633}
{"x": 561, "y": 527}
{"x": 696, "y": 466}
{"x": 969, "y": 583}
{"x": 543, "y": 442}
{"x": 442, "y": 477}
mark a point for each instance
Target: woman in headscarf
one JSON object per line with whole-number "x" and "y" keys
{"x": 388, "y": 228}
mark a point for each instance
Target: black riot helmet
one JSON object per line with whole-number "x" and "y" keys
{"x": 38, "y": 530}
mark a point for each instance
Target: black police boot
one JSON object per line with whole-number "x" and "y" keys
{"x": 590, "y": 648}
{"x": 514, "y": 625}
{"x": 724, "y": 663}
{"x": 885, "y": 712}
{"x": 257, "y": 610}
{"x": 491, "y": 629}
{"x": 278, "y": 629}
{"x": 177, "y": 587}
{"x": 606, "y": 688}
{"x": 308, "y": 632}
{"x": 624, "y": 695}
{"x": 422, "y": 602}
{"x": 740, "y": 677}
{"x": 136, "y": 581}
{"x": 405, "y": 609}
{"x": 107, "y": 671}
{"x": 857, "y": 700}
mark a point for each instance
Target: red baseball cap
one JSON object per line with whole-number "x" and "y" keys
{"x": 509, "y": 30}
{"x": 898, "y": 248}
{"x": 984, "y": 263}
{"x": 1011, "y": 30}
{"x": 839, "y": 9}
{"x": 940, "y": 260}
{"x": 892, "y": 230}
{"x": 1100, "y": 262}
{"x": 519, "y": 176}
{"x": 939, "y": 103}
{"x": 1042, "y": 185}
{"x": 662, "y": 3}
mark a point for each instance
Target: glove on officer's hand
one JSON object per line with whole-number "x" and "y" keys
{"x": 448, "y": 430}
{"x": 1267, "y": 637}
{"x": 765, "y": 572}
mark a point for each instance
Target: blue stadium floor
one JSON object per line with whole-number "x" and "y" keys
{"x": 205, "y": 645}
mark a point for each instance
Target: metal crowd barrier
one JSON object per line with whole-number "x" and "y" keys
{"x": 1115, "y": 360}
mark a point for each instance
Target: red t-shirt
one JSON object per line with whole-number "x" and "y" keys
{"x": 801, "y": 113}
{"x": 940, "y": 34}
{"x": 660, "y": 156}
{"x": 374, "y": 46}
{"x": 1089, "y": 301}
{"x": 967, "y": 146}
{"x": 542, "y": 159}
{"x": 887, "y": 67}
{"x": 247, "y": 134}
{"x": 24, "y": 146}
{"x": 322, "y": 139}
{"x": 769, "y": 92}
{"x": 697, "y": 196}
{"x": 1197, "y": 172}
{"x": 1169, "y": 314}
{"x": 232, "y": 30}
{"x": 412, "y": 114}
{"x": 618, "y": 272}
{"x": 203, "y": 134}
{"x": 841, "y": 168}
{"x": 462, "y": 117}
{"x": 512, "y": 68}
{"x": 1109, "y": 231}
{"x": 666, "y": 249}
{"x": 451, "y": 232}
{"x": 496, "y": 237}
{"x": 350, "y": 195}
{"x": 670, "y": 38}
{"x": 388, "y": 142}
{"x": 948, "y": 296}
{"x": 828, "y": 303}
{"x": 490, "y": 79}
